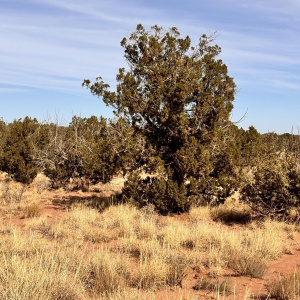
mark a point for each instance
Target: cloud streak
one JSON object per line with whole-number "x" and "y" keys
{"x": 53, "y": 45}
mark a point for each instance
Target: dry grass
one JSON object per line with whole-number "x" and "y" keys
{"x": 32, "y": 210}
{"x": 17, "y": 197}
{"x": 41, "y": 183}
{"x": 232, "y": 211}
{"x": 246, "y": 265}
{"x": 12, "y": 192}
{"x": 220, "y": 286}
{"x": 285, "y": 287}
{"x": 166, "y": 294}
{"x": 126, "y": 253}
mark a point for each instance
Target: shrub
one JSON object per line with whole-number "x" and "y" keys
{"x": 17, "y": 149}
{"x": 213, "y": 285}
{"x": 88, "y": 151}
{"x": 177, "y": 271}
{"x": 12, "y": 192}
{"x": 275, "y": 190}
{"x": 41, "y": 183}
{"x": 165, "y": 195}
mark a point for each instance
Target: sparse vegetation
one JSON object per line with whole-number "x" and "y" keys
{"x": 129, "y": 251}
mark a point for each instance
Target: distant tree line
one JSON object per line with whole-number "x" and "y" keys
{"x": 92, "y": 149}
{"x": 263, "y": 167}
{"x": 96, "y": 149}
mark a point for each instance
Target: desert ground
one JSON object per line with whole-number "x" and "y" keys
{"x": 57, "y": 244}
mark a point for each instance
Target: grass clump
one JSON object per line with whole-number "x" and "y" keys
{"x": 105, "y": 273}
{"x": 177, "y": 270}
{"x": 246, "y": 265}
{"x": 285, "y": 287}
{"x": 231, "y": 212}
{"x": 32, "y": 210}
{"x": 150, "y": 274}
{"x": 12, "y": 192}
{"x": 218, "y": 285}
{"x": 230, "y": 215}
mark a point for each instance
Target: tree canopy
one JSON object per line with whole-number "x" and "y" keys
{"x": 179, "y": 97}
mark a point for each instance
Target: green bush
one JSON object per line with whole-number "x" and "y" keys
{"x": 165, "y": 195}
{"x": 17, "y": 150}
{"x": 275, "y": 188}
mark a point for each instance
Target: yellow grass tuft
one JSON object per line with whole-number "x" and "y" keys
{"x": 286, "y": 286}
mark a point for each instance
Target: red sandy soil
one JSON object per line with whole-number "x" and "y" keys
{"x": 56, "y": 210}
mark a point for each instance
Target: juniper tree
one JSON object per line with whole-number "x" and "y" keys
{"x": 250, "y": 146}
{"x": 79, "y": 151}
{"x": 179, "y": 97}
{"x": 17, "y": 149}
{"x": 88, "y": 150}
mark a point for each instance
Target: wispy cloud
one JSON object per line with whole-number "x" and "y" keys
{"x": 69, "y": 46}
{"x": 8, "y": 90}
{"x": 53, "y": 45}
{"x": 62, "y": 44}
{"x": 112, "y": 11}
{"x": 278, "y": 10}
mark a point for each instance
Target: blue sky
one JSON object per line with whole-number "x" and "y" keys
{"x": 49, "y": 46}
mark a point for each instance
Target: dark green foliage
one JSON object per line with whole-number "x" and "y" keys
{"x": 250, "y": 141}
{"x": 17, "y": 147}
{"x": 275, "y": 189}
{"x": 165, "y": 195}
{"x": 179, "y": 97}
{"x": 3, "y": 132}
{"x": 269, "y": 166}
